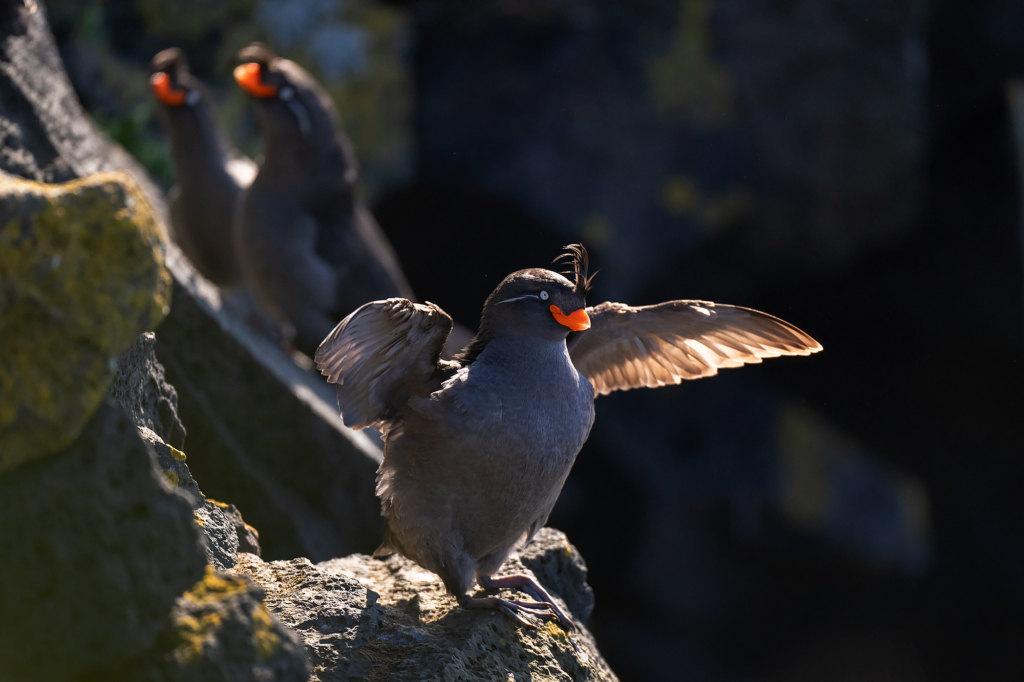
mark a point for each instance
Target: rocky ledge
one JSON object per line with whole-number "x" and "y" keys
{"x": 363, "y": 618}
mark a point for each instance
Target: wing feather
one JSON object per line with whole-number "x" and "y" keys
{"x": 382, "y": 354}
{"x": 631, "y": 347}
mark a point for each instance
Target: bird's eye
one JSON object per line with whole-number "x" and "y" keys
{"x": 286, "y": 93}
{"x": 543, "y": 295}
{"x": 193, "y": 98}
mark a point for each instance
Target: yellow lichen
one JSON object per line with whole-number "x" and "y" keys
{"x": 198, "y": 520}
{"x": 176, "y": 453}
{"x": 171, "y": 477}
{"x": 193, "y": 633}
{"x": 82, "y": 273}
{"x": 217, "y": 503}
{"x": 206, "y": 596}
{"x": 253, "y": 530}
{"x": 551, "y": 630}
{"x": 266, "y": 639}
{"x": 213, "y": 587}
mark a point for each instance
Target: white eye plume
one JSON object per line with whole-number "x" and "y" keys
{"x": 518, "y": 298}
{"x": 543, "y": 295}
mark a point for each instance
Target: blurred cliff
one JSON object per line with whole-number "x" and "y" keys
{"x": 846, "y": 164}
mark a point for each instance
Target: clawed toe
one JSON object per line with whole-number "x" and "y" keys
{"x": 544, "y": 608}
{"x": 515, "y": 614}
{"x": 525, "y": 613}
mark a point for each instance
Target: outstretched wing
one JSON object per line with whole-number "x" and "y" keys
{"x": 663, "y": 344}
{"x": 380, "y": 355}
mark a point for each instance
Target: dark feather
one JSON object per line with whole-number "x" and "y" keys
{"x": 580, "y": 267}
{"x": 172, "y": 61}
{"x": 256, "y": 52}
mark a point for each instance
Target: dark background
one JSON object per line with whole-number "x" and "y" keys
{"x": 848, "y": 165}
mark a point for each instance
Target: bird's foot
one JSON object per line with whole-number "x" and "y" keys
{"x": 526, "y": 613}
{"x": 532, "y": 588}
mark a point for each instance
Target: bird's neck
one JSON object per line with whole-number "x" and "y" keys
{"x": 322, "y": 152}
{"x": 520, "y": 352}
{"x": 197, "y": 146}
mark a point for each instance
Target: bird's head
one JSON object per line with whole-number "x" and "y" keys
{"x": 170, "y": 80}
{"x": 289, "y": 102}
{"x": 540, "y": 302}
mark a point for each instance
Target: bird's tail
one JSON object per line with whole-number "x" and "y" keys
{"x": 387, "y": 547}
{"x": 384, "y": 551}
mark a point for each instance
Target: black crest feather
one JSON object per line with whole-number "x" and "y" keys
{"x": 170, "y": 60}
{"x": 580, "y": 267}
{"x": 255, "y": 52}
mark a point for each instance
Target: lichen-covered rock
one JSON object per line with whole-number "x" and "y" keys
{"x": 81, "y": 274}
{"x": 247, "y": 536}
{"x": 172, "y": 463}
{"x": 362, "y": 618}
{"x": 94, "y": 551}
{"x": 222, "y": 630}
{"x": 226, "y": 533}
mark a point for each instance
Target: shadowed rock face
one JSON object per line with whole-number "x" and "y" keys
{"x": 364, "y": 618}
{"x": 96, "y": 549}
{"x": 141, "y": 388}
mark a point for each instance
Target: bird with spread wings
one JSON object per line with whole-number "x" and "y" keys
{"x": 476, "y": 449}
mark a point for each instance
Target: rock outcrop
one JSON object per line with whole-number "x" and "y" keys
{"x": 96, "y": 550}
{"x": 362, "y": 618}
{"x": 81, "y": 274}
{"x": 139, "y": 387}
{"x": 271, "y": 439}
{"x": 222, "y": 630}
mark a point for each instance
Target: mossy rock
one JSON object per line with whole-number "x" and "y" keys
{"x": 81, "y": 275}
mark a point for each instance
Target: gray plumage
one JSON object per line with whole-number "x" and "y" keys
{"x": 210, "y": 175}
{"x": 308, "y": 247}
{"x": 476, "y": 450}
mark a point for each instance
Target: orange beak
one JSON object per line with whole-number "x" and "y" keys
{"x": 249, "y": 77}
{"x": 164, "y": 91}
{"x": 576, "y": 321}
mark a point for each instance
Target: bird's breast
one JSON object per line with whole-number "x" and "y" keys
{"x": 524, "y": 416}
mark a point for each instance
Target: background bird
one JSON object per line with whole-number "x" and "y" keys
{"x": 308, "y": 246}
{"x": 476, "y": 449}
{"x": 210, "y": 173}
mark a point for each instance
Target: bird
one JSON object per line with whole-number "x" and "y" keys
{"x": 210, "y": 173}
{"x": 476, "y": 449}
{"x": 308, "y": 247}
